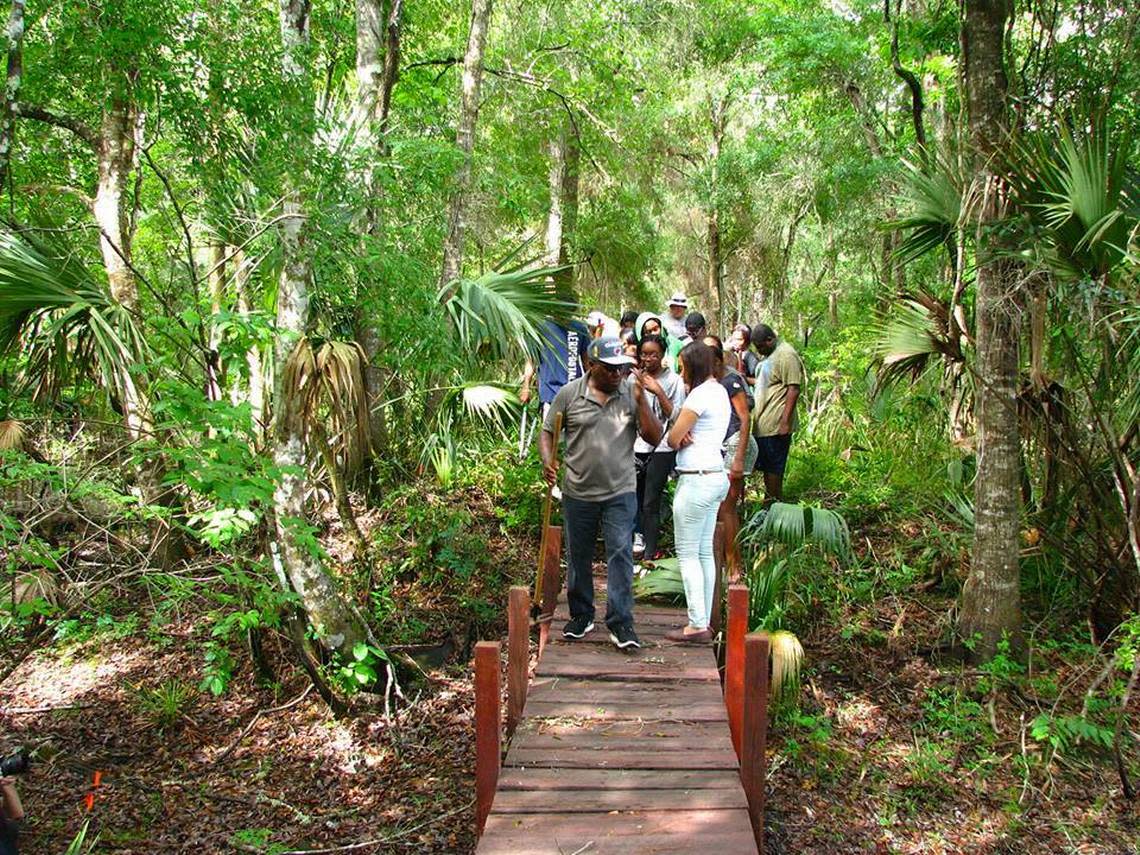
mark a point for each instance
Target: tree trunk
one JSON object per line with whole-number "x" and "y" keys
{"x": 563, "y": 212}
{"x": 216, "y": 284}
{"x": 15, "y": 76}
{"x": 714, "y": 281}
{"x": 718, "y": 119}
{"x": 991, "y": 600}
{"x": 553, "y": 243}
{"x": 253, "y": 360}
{"x": 336, "y": 623}
{"x": 465, "y": 142}
{"x": 377, "y": 67}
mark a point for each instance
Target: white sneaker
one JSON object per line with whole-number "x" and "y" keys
{"x": 638, "y": 544}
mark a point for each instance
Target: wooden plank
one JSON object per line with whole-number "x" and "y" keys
{"x": 646, "y": 844}
{"x": 620, "y": 672}
{"x": 565, "y": 729}
{"x": 664, "y": 661}
{"x": 754, "y": 729}
{"x": 488, "y": 699}
{"x": 713, "y": 711}
{"x": 652, "y": 737}
{"x": 554, "y": 688}
{"x": 518, "y": 654}
{"x": 677, "y": 831}
{"x": 571, "y": 758}
{"x": 606, "y": 800}
{"x": 512, "y": 778}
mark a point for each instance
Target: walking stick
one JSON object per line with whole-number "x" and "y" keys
{"x": 522, "y": 435}
{"x": 536, "y": 605}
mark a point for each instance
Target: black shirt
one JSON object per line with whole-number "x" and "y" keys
{"x": 734, "y": 384}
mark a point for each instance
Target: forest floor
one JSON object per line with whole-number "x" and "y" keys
{"x": 887, "y": 752}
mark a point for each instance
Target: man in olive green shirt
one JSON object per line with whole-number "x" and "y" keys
{"x": 781, "y": 375}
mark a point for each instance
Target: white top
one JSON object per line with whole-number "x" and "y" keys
{"x": 675, "y": 391}
{"x": 710, "y": 402}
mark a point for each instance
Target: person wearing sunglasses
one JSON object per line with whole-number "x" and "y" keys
{"x": 602, "y": 413}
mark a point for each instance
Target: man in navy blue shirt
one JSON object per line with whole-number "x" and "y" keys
{"x": 560, "y": 360}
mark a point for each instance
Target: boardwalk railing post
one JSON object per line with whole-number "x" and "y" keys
{"x": 734, "y": 661}
{"x": 487, "y": 746}
{"x": 518, "y": 654}
{"x": 718, "y": 587}
{"x": 551, "y": 583}
{"x": 754, "y": 733}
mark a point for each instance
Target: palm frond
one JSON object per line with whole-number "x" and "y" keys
{"x": 787, "y": 655}
{"x": 328, "y": 380}
{"x": 663, "y": 580}
{"x": 767, "y": 582}
{"x": 934, "y": 201}
{"x": 500, "y": 313}
{"x": 12, "y": 435}
{"x": 1076, "y": 192}
{"x": 797, "y": 525}
{"x": 63, "y": 318}
{"x": 911, "y": 335}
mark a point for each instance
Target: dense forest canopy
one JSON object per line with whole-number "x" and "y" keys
{"x": 269, "y": 273}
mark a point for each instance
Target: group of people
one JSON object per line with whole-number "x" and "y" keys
{"x": 641, "y": 399}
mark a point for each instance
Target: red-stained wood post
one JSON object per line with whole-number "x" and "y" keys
{"x": 487, "y": 746}
{"x": 551, "y": 584}
{"x": 753, "y": 762}
{"x": 518, "y": 654}
{"x": 734, "y": 661}
{"x": 718, "y": 588}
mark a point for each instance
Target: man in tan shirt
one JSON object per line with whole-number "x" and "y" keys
{"x": 781, "y": 375}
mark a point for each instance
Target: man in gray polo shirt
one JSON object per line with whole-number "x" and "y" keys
{"x": 602, "y": 412}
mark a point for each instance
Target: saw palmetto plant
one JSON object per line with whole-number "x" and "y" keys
{"x": 63, "y": 319}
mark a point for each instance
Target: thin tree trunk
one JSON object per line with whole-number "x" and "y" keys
{"x": 718, "y": 118}
{"x": 336, "y": 623}
{"x": 917, "y": 104}
{"x": 253, "y": 359}
{"x": 465, "y": 141}
{"x": 377, "y": 68}
{"x": 216, "y": 284}
{"x": 991, "y": 600}
{"x": 15, "y": 76}
{"x": 554, "y": 215}
{"x": 713, "y": 280}
{"x": 571, "y": 172}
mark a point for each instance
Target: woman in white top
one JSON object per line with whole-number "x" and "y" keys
{"x": 698, "y": 434}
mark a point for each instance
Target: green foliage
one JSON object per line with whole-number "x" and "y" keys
{"x": 79, "y": 844}
{"x": 164, "y": 705}
{"x": 218, "y": 670}
{"x": 64, "y": 318}
{"x": 1065, "y": 733}
{"x": 362, "y": 670}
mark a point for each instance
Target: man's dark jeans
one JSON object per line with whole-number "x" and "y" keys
{"x": 580, "y": 526}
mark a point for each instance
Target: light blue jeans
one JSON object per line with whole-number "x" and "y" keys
{"x": 694, "y": 523}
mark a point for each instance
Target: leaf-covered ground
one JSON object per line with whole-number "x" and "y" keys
{"x": 887, "y": 753}
{"x": 891, "y": 754}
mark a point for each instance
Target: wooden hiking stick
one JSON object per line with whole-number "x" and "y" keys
{"x": 536, "y": 603}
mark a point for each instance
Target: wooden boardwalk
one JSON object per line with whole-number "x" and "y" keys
{"x": 621, "y": 752}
